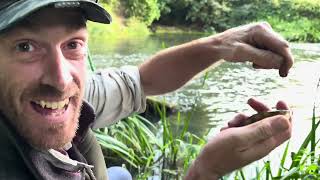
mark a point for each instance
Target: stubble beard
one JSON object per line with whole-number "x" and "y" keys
{"x": 41, "y": 136}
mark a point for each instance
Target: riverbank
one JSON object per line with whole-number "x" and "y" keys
{"x": 290, "y": 19}
{"x": 121, "y": 29}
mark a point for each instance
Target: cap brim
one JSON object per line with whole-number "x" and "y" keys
{"x": 20, "y": 9}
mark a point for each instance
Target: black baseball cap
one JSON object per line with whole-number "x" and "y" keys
{"x": 12, "y": 11}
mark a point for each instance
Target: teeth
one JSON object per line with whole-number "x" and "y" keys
{"x": 53, "y": 105}
{"x": 42, "y": 104}
{"x": 60, "y": 105}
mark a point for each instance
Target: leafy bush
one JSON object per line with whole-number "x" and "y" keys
{"x": 109, "y": 36}
{"x": 300, "y": 8}
{"x": 203, "y": 13}
{"x": 244, "y": 11}
{"x": 208, "y": 13}
{"x": 302, "y": 29}
{"x": 145, "y": 10}
{"x": 297, "y": 20}
{"x": 111, "y": 3}
{"x": 219, "y": 15}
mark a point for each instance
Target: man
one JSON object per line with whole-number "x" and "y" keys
{"x": 45, "y": 126}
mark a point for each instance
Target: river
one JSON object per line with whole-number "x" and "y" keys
{"x": 228, "y": 86}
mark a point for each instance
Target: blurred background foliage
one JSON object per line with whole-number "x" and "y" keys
{"x": 297, "y": 20}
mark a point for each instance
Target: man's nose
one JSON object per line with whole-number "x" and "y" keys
{"x": 59, "y": 71}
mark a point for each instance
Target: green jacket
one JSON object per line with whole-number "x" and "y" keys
{"x": 19, "y": 161}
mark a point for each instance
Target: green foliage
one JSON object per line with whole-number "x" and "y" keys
{"x": 109, "y": 35}
{"x": 111, "y": 3}
{"x": 302, "y": 29}
{"x": 179, "y": 147}
{"x": 220, "y": 15}
{"x": 137, "y": 28}
{"x": 296, "y": 20}
{"x": 119, "y": 27}
{"x": 300, "y": 8}
{"x": 147, "y": 149}
{"x": 204, "y": 13}
{"x": 145, "y": 10}
{"x": 136, "y": 143}
{"x": 131, "y": 141}
{"x": 246, "y": 11}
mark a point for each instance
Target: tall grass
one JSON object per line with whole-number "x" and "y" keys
{"x": 131, "y": 141}
{"x": 148, "y": 149}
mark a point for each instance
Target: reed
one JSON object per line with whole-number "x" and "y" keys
{"x": 148, "y": 149}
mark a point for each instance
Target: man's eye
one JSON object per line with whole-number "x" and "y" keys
{"x": 75, "y": 49}
{"x": 25, "y": 47}
{"x": 73, "y": 45}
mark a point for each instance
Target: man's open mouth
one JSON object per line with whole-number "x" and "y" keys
{"x": 53, "y": 108}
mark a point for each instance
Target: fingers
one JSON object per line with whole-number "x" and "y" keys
{"x": 259, "y": 44}
{"x": 257, "y": 66}
{"x": 268, "y": 128}
{"x": 260, "y": 58}
{"x": 265, "y": 38}
{"x": 240, "y": 118}
{"x": 237, "y": 120}
{"x": 264, "y": 147}
{"x": 261, "y": 107}
{"x": 224, "y": 128}
{"x": 257, "y": 105}
{"x": 284, "y": 69}
{"x": 282, "y": 105}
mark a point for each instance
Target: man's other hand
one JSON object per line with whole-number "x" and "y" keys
{"x": 235, "y": 147}
{"x": 257, "y": 43}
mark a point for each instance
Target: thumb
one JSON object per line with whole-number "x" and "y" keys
{"x": 262, "y": 148}
{"x": 264, "y": 137}
{"x": 263, "y": 130}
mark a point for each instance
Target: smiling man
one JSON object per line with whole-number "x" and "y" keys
{"x": 42, "y": 64}
{"x": 43, "y": 68}
{"x": 45, "y": 123}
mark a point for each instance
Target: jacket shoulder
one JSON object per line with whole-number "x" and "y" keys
{"x": 12, "y": 165}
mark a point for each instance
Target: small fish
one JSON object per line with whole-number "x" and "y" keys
{"x": 259, "y": 116}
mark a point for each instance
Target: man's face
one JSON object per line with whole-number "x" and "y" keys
{"x": 42, "y": 76}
